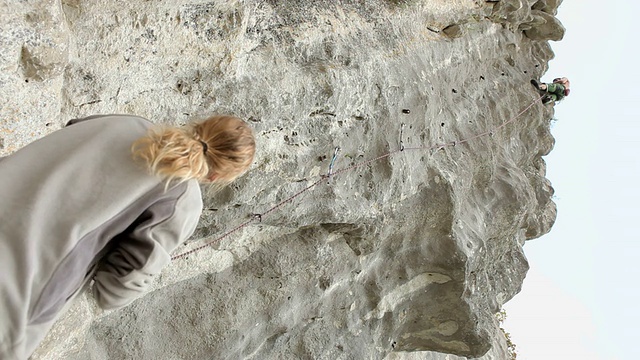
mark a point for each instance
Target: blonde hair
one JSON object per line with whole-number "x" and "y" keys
{"x": 218, "y": 149}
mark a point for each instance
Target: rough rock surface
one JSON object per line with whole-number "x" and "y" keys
{"x": 413, "y": 252}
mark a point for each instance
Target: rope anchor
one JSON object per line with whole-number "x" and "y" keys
{"x": 436, "y": 148}
{"x": 333, "y": 161}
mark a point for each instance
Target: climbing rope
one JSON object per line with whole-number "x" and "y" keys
{"x": 331, "y": 173}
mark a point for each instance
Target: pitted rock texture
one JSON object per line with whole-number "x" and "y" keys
{"x": 407, "y": 257}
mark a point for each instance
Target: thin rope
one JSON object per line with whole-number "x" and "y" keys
{"x": 259, "y": 216}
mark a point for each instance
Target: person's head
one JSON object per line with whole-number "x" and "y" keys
{"x": 216, "y": 150}
{"x": 561, "y": 80}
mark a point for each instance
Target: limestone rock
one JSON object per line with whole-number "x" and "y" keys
{"x": 45, "y": 54}
{"x": 535, "y": 18}
{"x": 35, "y": 52}
{"x": 548, "y": 6}
{"x": 453, "y": 31}
{"x": 512, "y": 13}
{"x": 545, "y": 27}
{"x": 413, "y": 252}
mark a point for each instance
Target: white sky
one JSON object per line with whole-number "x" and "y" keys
{"x": 580, "y": 299}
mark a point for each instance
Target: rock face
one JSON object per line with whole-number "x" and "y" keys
{"x": 413, "y": 252}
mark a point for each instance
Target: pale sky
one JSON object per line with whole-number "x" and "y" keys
{"x": 580, "y": 299}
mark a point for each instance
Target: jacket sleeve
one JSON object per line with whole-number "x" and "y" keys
{"x": 126, "y": 272}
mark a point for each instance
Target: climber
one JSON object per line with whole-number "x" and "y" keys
{"x": 102, "y": 202}
{"x": 555, "y": 91}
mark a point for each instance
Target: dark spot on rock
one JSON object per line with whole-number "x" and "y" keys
{"x": 441, "y": 124}
{"x": 481, "y": 77}
{"x": 453, "y": 31}
{"x": 454, "y": 91}
{"x": 503, "y": 74}
{"x": 406, "y": 111}
{"x": 47, "y": 124}
{"x": 26, "y": 80}
{"x": 525, "y": 71}
{"x": 324, "y": 283}
{"x": 183, "y": 87}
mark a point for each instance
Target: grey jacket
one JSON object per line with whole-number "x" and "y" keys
{"x": 75, "y": 206}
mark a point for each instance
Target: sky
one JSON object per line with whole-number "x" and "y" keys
{"x": 581, "y": 297}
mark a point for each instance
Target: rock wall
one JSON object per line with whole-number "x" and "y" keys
{"x": 407, "y": 257}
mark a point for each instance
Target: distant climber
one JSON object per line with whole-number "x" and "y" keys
{"x": 102, "y": 202}
{"x": 555, "y": 91}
